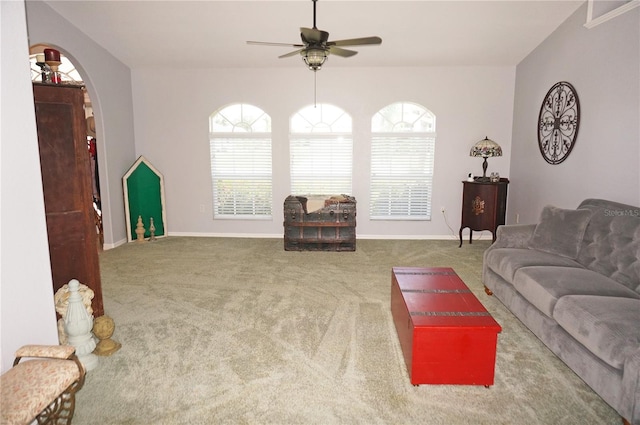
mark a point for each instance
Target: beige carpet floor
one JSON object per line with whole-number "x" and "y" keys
{"x": 239, "y": 331}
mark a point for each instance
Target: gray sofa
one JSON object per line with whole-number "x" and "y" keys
{"x": 574, "y": 280}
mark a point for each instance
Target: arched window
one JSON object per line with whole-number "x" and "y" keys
{"x": 240, "y": 143}
{"x": 321, "y": 151}
{"x": 402, "y": 157}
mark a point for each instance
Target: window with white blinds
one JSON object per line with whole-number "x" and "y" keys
{"x": 240, "y": 147}
{"x": 402, "y": 158}
{"x": 321, "y": 151}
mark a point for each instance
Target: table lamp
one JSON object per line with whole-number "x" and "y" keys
{"x": 485, "y": 148}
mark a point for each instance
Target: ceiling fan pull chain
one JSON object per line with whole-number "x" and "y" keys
{"x": 315, "y": 84}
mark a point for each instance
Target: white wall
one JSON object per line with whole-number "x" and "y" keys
{"x": 603, "y": 65}
{"x": 27, "y": 314}
{"x": 172, "y": 107}
{"x": 108, "y": 82}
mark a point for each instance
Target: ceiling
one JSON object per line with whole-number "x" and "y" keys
{"x": 210, "y": 34}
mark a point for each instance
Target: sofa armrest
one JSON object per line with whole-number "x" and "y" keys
{"x": 513, "y": 236}
{"x": 508, "y": 236}
{"x": 631, "y": 388}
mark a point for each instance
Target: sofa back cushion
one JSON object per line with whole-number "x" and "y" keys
{"x": 611, "y": 242}
{"x": 560, "y": 231}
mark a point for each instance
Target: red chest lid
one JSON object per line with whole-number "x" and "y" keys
{"x": 437, "y": 297}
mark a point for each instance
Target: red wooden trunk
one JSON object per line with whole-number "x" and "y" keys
{"x": 446, "y": 334}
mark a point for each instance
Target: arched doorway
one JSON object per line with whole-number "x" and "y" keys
{"x": 68, "y": 165}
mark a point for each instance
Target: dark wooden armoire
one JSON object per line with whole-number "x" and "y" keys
{"x": 66, "y": 182}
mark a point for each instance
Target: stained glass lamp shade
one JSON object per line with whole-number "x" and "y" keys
{"x": 485, "y": 148}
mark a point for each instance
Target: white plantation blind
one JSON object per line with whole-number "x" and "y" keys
{"x": 241, "y": 170}
{"x": 401, "y": 177}
{"x": 402, "y": 158}
{"x": 321, "y": 165}
{"x": 241, "y": 173}
{"x": 321, "y": 151}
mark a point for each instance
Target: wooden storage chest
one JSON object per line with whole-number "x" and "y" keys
{"x": 330, "y": 228}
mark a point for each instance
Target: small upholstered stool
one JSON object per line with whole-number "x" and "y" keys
{"x": 41, "y": 389}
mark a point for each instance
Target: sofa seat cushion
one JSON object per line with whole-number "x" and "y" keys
{"x": 606, "y": 326}
{"x": 506, "y": 261}
{"x": 543, "y": 286}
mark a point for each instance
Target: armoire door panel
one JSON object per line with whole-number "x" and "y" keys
{"x": 66, "y": 183}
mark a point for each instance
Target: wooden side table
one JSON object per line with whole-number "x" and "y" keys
{"x": 484, "y": 206}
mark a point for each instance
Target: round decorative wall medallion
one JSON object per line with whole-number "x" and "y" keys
{"x": 558, "y": 122}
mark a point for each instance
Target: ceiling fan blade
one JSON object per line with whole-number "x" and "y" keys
{"x": 339, "y": 51}
{"x": 313, "y": 35}
{"x": 265, "y": 43}
{"x": 356, "y": 41}
{"x": 286, "y": 55}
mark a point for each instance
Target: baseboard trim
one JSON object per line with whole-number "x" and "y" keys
{"x": 279, "y": 236}
{"x": 483, "y": 236}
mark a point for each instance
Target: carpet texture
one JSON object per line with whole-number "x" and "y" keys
{"x": 239, "y": 331}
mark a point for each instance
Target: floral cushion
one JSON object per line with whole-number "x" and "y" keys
{"x": 51, "y": 351}
{"x": 29, "y": 387}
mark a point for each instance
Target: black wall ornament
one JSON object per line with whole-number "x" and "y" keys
{"x": 558, "y": 122}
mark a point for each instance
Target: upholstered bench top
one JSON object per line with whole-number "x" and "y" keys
{"x": 30, "y": 386}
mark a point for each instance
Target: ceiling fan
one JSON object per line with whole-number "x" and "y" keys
{"x": 316, "y": 46}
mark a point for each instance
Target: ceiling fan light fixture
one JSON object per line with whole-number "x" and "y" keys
{"x": 316, "y": 47}
{"x": 314, "y": 58}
